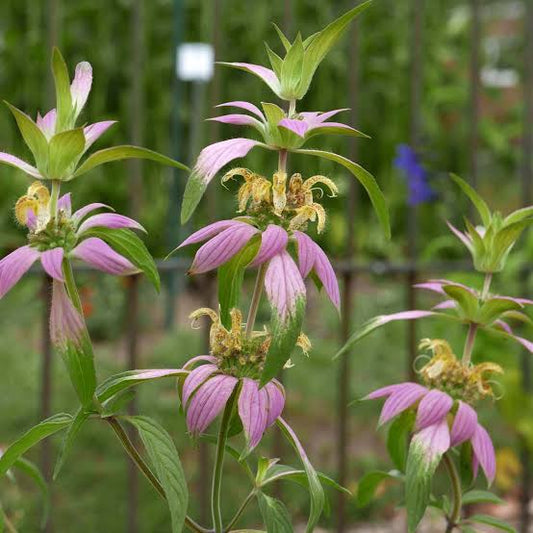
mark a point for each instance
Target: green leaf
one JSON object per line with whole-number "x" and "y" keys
{"x": 365, "y": 178}
{"x": 127, "y": 243}
{"x": 31, "y": 438}
{"x": 117, "y": 153}
{"x": 369, "y": 483}
{"x": 131, "y": 378}
{"x": 65, "y": 149}
{"x": 166, "y": 463}
{"x": 284, "y": 41}
{"x": 118, "y": 402}
{"x": 467, "y": 301}
{"x": 398, "y": 439}
{"x": 291, "y": 70}
{"x": 316, "y": 492}
{"x": 479, "y": 203}
{"x": 63, "y": 96}
{"x": 32, "y": 471}
{"x": 275, "y": 514}
{"x": 285, "y": 333}
{"x": 334, "y": 130}
{"x": 275, "y": 61}
{"x": 231, "y": 277}
{"x": 491, "y": 521}
{"x": 519, "y": 215}
{"x": 494, "y": 307}
{"x": 321, "y": 43}
{"x": 33, "y": 137}
{"x": 480, "y": 496}
{"x": 77, "y": 423}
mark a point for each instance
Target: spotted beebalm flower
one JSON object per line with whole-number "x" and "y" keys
{"x": 444, "y": 414}
{"x": 53, "y": 240}
{"x": 233, "y": 367}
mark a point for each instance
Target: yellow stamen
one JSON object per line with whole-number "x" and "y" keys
{"x": 23, "y": 205}
{"x": 41, "y": 193}
{"x": 309, "y": 183}
{"x": 304, "y": 344}
{"x": 279, "y": 195}
{"x": 309, "y": 213}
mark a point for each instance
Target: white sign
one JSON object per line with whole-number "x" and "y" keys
{"x": 195, "y": 62}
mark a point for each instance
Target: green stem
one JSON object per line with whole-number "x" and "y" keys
{"x": 216, "y": 509}
{"x": 292, "y": 108}
{"x": 145, "y": 469}
{"x": 71, "y": 285}
{"x": 455, "y": 515}
{"x": 54, "y": 197}
{"x": 256, "y": 299}
{"x": 282, "y": 161}
{"x": 486, "y": 286}
{"x": 469, "y": 343}
{"x": 241, "y": 509}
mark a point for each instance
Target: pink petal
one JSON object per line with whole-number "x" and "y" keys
{"x": 65, "y": 204}
{"x": 401, "y": 400}
{"x": 386, "y": 391}
{"x": 322, "y": 117}
{"x": 197, "y": 376}
{"x": 464, "y": 238}
{"x": 447, "y": 304}
{"x": 295, "y": 125}
{"x": 484, "y": 452}
{"x": 81, "y": 85}
{"x": 208, "y": 401}
{"x": 222, "y": 248}
{"x": 433, "y": 408}
{"x": 66, "y": 323}
{"x": 284, "y": 284}
{"x": 15, "y": 265}
{"x": 209, "y": 231}
{"x": 273, "y": 240}
{"x": 306, "y": 252}
{"x": 213, "y": 157}
{"x": 52, "y": 261}
{"x": 100, "y": 255}
{"x": 435, "y": 440}
{"x": 276, "y": 400}
{"x": 404, "y": 315}
{"x": 109, "y": 220}
{"x": 435, "y": 286}
{"x": 244, "y": 105}
{"x": 21, "y": 165}
{"x": 47, "y": 124}
{"x": 89, "y": 208}
{"x": 464, "y": 424}
{"x": 503, "y": 325}
{"x": 339, "y": 125}
{"x": 199, "y": 359}
{"x": 266, "y": 74}
{"x": 327, "y": 276}
{"x": 94, "y": 131}
{"x": 236, "y": 119}
{"x": 253, "y": 407}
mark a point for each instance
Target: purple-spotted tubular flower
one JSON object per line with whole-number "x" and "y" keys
{"x": 233, "y": 367}
{"x": 284, "y": 278}
{"x": 51, "y": 241}
{"x": 434, "y": 434}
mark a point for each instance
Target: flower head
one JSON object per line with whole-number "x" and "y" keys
{"x": 234, "y": 365}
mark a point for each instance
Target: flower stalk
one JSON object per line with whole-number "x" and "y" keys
{"x": 54, "y": 197}
{"x": 455, "y": 482}
{"x": 486, "y": 286}
{"x": 469, "y": 344}
{"x": 240, "y": 511}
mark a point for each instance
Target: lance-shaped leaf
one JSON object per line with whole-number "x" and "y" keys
{"x": 378, "y": 321}
{"x": 275, "y": 514}
{"x": 166, "y": 463}
{"x": 65, "y": 149}
{"x": 488, "y": 520}
{"x": 519, "y": 215}
{"x": 316, "y": 492}
{"x": 70, "y": 338}
{"x": 211, "y": 159}
{"x": 230, "y": 279}
{"x": 465, "y": 297}
{"x": 480, "y": 496}
{"x": 285, "y": 290}
{"x": 117, "y": 153}
{"x": 63, "y": 95}
{"x": 321, "y": 43}
{"x": 369, "y": 483}
{"x": 365, "y": 178}
{"x": 425, "y": 452}
{"x": 131, "y": 378}
{"x": 129, "y": 245}
{"x": 31, "y": 438}
{"x": 494, "y": 307}
{"x": 265, "y": 74}
{"x": 77, "y": 423}
{"x": 397, "y": 438}
{"x": 479, "y": 203}
{"x": 291, "y": 70}
{"x": 33, "y": 137}
{"x": 15, "y": 162}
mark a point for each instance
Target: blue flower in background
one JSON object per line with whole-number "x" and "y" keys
{"x": 416, "y": 175}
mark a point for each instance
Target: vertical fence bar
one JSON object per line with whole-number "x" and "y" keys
{"x": 135, "y": 196}
{"x": 348, "y": 287}
{"x": 527, "y": 178}
{"x": 475, "y": 92}
{"x": 415, "y": 94}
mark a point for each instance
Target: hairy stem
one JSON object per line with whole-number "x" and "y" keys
{"x": 282, "y": 161}
{"x": 216, "y": 509}
{"x": 145, "y": 469}
{"x": 54, "y": 197}
{"x": 486, "y": 286}
{"x": 292, "y": 108}
{"x": 455, "y": 514}
{"x": 469, "y": 343}
{"x": 256, "y": 299}
{"x": 241, "y": 509}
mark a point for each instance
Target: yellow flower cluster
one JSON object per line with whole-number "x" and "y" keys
{"x": 37, "y": 201}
